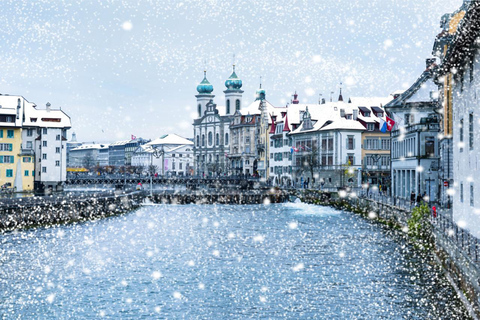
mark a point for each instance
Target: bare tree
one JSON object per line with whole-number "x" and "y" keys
{"x": 152, "y": 169}
{"x": 88, "y": 161}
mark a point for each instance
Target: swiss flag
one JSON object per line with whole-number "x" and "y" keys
{"x": 390, "y": 123}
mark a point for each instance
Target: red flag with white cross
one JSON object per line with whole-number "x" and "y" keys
{"x": 390, "y": 123}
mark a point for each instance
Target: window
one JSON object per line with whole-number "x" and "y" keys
{"x": 44, "y": 143}
{"x": 57, "y": 150}
{"x": 44, "y": 169}
{"x": 44, "y": 130}
{"x": 228, "y": 106}
{"x": 44, "y": 156}
{"x": 7, "y": 159}
{"x": 198, "y": 140}
{"x": 57, "y": 163}
{"x": 350, "y": 143}
{"x": 173, "y": 165}
{"x": 26, "y": 173}
{"x": 9, "y": 173}
{"x": 199, "y": 108}
{"x": 237, "y": 105}
{"x": 10, "y": 134}
{"x": 461, "y": 192}
{"x": 203, "y": 140}
{"x": 429, "y": 146}
{"x": 210, "y": 138}
{"x": 173, "y": 155}
{"x": 180, "y": 166}
{"x": 29, "y": 132}
{"x": 470, "y": 131}
{"x": 226, "y": 138}
{"x": 6, "y": 146}
{"x": 472, "y": 198}
{"x": 217, "y": 139}
{"x": 461, "y": 134}
{"x": 350, "y": 159}
{"x": 1, "y": 133}
{"x": 367, "y": 113}
{"x": 29, "y": 145}
{"x": 370, "y": 126}
{"x": 58, "y": 137}
{"x": 27, "y": 159}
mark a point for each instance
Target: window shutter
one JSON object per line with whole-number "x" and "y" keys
{"x": 1, "y": 159}
{"x": 10, "y": 147}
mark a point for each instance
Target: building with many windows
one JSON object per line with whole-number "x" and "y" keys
{"x": 169, "y": 155}
{"x": 211, "y": 129}
{"x": 414, "y": 140}
{"x": 38, "y": 136}
{"x": 462, "y": 62}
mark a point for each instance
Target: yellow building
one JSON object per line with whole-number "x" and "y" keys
{"x": 376, "y": 158}
{"x": 16, "y": 165}
{"x": 449, "y": 23}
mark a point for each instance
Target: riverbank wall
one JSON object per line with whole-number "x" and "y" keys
{"x": 454, "y": 249}
{"x": 24, "y": 213}
{"x": 265, "y": 196}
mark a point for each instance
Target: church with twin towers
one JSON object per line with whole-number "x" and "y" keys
{"x": 218, "y": 150}
{"x": 211, "y": 127}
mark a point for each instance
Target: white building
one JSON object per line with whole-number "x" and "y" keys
{"x": 171, "y": 155}
{"x": 323, "y": 139}
{"x": 211, "y": 128}
{"x": 414, "y": 145}
{"x": 89, "y": 155}
{"x": 463, "y": 61}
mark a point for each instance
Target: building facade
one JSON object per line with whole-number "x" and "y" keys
{"x": 415, "y": 144}
{"x": 462, "y": 61}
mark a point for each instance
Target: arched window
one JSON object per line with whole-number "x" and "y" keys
{"x": 218, "y": 158}
{"x": 199, "y": 110}
{"x": 237, "y": 105}
{"x": 203, "y": 140}
{"x": 217, "y": 139}
{"x": 228, "y": 106}
{"x": 198, "y": 140}
{"x": 226, "y": 138}
{"x": 210, "y": 138}
{"x": 210, "y": 158}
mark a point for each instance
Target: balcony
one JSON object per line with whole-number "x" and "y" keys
{"x": 422, "y": 127}
{"x": 376, "y": 167}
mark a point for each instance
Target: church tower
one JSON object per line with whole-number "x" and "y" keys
{"x": 204, "y": 95}
{"x": 233, "y": 94}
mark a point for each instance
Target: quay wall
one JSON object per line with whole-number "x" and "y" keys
{"x": 23, "y": 213}
{"x": 454, "y": 248}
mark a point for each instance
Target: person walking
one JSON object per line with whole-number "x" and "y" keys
{"x": 412, "y": 197}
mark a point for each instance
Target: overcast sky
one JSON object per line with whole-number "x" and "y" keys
{"x": 131, "y": 67}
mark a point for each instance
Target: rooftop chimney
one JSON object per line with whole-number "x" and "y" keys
{"x": 295, "y": 98}
{"x": 355, "y": 114}
{"x": 48, "y": 106}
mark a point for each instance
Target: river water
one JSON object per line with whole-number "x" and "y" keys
{"x": 291, "y": 261}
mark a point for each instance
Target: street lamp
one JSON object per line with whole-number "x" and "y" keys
{"x": 429, "y": 180}
{"x": 157, "y": 154}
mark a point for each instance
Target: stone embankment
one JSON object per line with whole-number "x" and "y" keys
{"x": 454, "y": 248}
{"x": 22, "y": 213}
{"x": 223, "y": 197}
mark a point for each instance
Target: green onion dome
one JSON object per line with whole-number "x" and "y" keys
{"x": 205, "y": 87}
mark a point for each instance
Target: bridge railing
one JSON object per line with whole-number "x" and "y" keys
{"x": 442, "y": 225}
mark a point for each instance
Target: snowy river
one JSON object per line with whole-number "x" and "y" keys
{"x": 292, "y": 261}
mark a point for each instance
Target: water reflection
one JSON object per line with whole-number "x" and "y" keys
{"x": 221, "y": 262}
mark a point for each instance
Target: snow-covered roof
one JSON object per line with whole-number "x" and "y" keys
{"x": 120, "y": 143}
{"x": 31, "y": 115}
{"x": 170, "y": 139}
{"x": 253, "y": 109}
{"x": 91, "y": 146}
{"x": 328, "y": 116}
